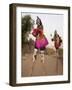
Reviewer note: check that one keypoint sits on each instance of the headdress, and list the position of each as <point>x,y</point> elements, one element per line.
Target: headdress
<point>39,23</point>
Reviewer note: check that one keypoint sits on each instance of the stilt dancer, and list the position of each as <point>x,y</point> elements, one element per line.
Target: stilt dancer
<point>57,43</point>
<point>40,42</point>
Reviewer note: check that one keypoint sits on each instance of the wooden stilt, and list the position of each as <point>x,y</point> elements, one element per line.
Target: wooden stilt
<point>33,67</point>
<point>57,61</point>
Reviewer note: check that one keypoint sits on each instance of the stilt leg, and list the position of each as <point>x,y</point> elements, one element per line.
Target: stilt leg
<point>42,56</point>
<point>57,60</point>
<point>34,55</point>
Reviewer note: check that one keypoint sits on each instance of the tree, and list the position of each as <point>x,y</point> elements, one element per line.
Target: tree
<point>27,24</point>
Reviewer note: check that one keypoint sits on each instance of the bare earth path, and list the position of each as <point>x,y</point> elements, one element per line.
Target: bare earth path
<point>51,66</point>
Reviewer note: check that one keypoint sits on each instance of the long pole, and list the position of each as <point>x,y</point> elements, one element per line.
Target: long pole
<point>57,61</point>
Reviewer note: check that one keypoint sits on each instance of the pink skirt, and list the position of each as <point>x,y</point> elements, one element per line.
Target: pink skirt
<point>41,43</point>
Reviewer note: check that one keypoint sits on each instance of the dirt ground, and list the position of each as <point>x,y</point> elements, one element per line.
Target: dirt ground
<point>52,65</point>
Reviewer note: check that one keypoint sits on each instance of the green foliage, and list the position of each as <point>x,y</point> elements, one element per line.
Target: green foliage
<point>27,24</point>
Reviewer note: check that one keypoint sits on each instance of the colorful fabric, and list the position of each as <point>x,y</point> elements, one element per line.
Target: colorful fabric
<point>36,32</point>
<point>41,41</point>
<point>57,41</point>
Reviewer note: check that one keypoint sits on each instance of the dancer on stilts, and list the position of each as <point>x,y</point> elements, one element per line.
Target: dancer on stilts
<point>41,41</point>
<point>57,43</point>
